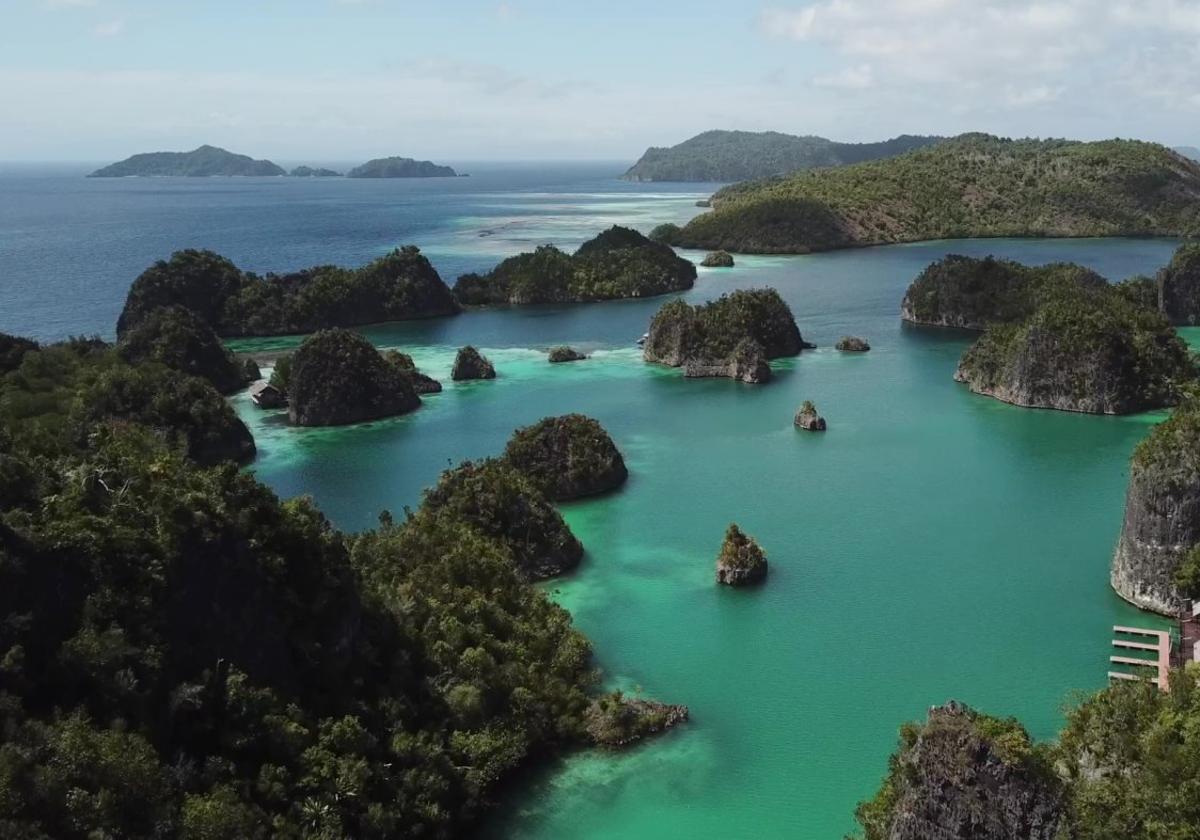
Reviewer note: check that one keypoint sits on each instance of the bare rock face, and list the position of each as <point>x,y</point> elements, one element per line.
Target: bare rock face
<point>742,561</point>
<point>471,364</point>
<point>747,363</point>
<point>1162,513</point>
<point>565,354</point>
<point>808,419</point>
<point>965,776</point>
<point>852,344</point>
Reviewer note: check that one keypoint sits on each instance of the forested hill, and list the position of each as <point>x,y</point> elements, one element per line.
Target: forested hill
<point>974,185</point>
<point>204,161</point>
<point>730,156</point>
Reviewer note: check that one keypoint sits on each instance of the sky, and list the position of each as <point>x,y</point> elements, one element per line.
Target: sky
<point>345,80</point>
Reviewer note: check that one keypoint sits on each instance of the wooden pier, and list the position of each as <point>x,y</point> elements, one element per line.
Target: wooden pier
<point>1160,662</point>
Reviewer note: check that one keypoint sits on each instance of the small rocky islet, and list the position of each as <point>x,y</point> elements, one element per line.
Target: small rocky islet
<point>558,355</point>
<point>808,419</point>
<point>470,364</point>
<point>337,377</point>
<point>741,561</point>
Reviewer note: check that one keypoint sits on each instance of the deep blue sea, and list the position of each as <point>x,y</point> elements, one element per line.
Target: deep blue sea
<point>70,246</point>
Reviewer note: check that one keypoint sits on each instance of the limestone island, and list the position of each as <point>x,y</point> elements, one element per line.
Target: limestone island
<point>337,377</point>
<point>1157,562</point>
<point>618,263</point>
<point>469,363</point>
<point>501,503</point>
<point>400,167</point>
<point>421,383</point>
<point>567,457</point>
<point>616,721</point>
<point>557,355</point>
<point>181,340</point>
<point>314,172</point>
<point>742,562</point>
<point>971,186</point>
<point>808,419</point>
<point>963,775</point>
<point>852,344</point>
<point>398,287</point>
<point>202,162</point>
<point>717,259</point>
<point>733,336</point>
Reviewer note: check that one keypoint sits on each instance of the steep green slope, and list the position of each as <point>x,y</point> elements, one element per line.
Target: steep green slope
<point>742,155</point>
<point>972,186</point>
<point>201,162</point>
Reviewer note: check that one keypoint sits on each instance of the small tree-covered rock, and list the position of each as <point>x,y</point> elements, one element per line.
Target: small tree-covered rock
<point>742,560</point>
<point>852,344</point>
<point>338,377</point>
<point>567,457</point>
<point>565,354</point>
<point>421,383</point>
<point>615,721</point>
<point>471,364</point>
<point>717,259</point>
<point>808,419</point>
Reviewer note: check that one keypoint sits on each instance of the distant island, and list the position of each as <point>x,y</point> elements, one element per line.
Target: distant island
<point>314,172</point>
<point>400,167</point>
<point>202,162</point>
<point>729,156</point>
<point>1189,152</point>
<point>975,185</point>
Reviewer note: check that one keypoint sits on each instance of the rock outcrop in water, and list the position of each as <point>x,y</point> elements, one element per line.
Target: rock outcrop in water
<point>338,377</point>
<point>1162,513</point>
<point>733,336</point>
<point>1179,287</point>
<point>421,383</point>
<point>618,263</point>
<point>616,721</point>
<point>970,293</point>
<point>503,504</point>
<point>471,364</point>
<point>717,259</point>
<point>808,419</point>
<point>965,776</point>
<point>742,562</point>
<point>1089,350</point>
<point>852,344</point>
<point>567,457</point>
<point>565,354</point>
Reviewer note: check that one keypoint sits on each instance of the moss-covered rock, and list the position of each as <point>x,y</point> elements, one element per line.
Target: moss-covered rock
<point>615,721</point>
<point>852,344</point>
<point>1091,351</point>
<point>338,377</point>
<point>618,263</point>
<point>567,457</point>
<point>181,340</point>
<point>1179,287</point>
<point>565,354</point>
<point>742,561</point>
<point>965,776</point>
<point>731,336</point>
<point>717,259</point>
<point>404,363</point>
<point>469,363</point>
<point>495,498</point>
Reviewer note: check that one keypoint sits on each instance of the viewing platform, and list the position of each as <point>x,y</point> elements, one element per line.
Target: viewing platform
<point>1156,642</point>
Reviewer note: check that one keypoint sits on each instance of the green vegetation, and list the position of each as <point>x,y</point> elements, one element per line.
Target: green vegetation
<point>57,397</point>
<point>338,377</point>
<point>567,457</point>
<point>200,162</point>
<point>1179,286</point>
<point>493,497</point>
<point>728,156</point>
<point>972,186</point>
<point>713,331</point>
<point>400,286</point>
<point>614,720</point>
<point>311,172</point>
<point>619,263</point>
<point>400,167</point>
<point>181,340</point>
<point>742,560</point>
<point>1087,349</point>
<point>717,259</point>
<point>971,293</point>
<point>1187,577</point>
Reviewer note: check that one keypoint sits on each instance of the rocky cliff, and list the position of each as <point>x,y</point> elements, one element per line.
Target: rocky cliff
<point>1162,513</point>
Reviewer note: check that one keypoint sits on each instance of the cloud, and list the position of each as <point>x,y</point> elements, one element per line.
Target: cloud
<point>851,78</point>
<point>109,29</point>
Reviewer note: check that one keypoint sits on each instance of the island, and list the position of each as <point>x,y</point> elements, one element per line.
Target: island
<point>397,287</point>
<point>733,336</point>
<point>962,774</point>
<point>201,162</point>
<point>1178,287</point>
<point>496,499</point>
<point>975,185</point>
<point>179,339</point>
<point>404,363</point>
<point>615,721</point>
<point>567,457</point>
<point>727,156</point>
<point>469,364</point>
<point>1155,562</point>
<point>400,167</point>
<point>314,172</point>
<point>715,259</point>
<point>337,377</point>
<point>808,419</point>
<point>618,263</point>
<point>1089,350</point>
<point>558,355</point>
<point>742,562</point>
<point>852,344</point>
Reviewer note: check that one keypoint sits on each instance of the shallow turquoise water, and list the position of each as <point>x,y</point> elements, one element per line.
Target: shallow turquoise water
<point>932,544</point>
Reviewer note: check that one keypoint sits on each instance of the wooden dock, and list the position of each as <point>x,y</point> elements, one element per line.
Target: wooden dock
<point>1160,662</point>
